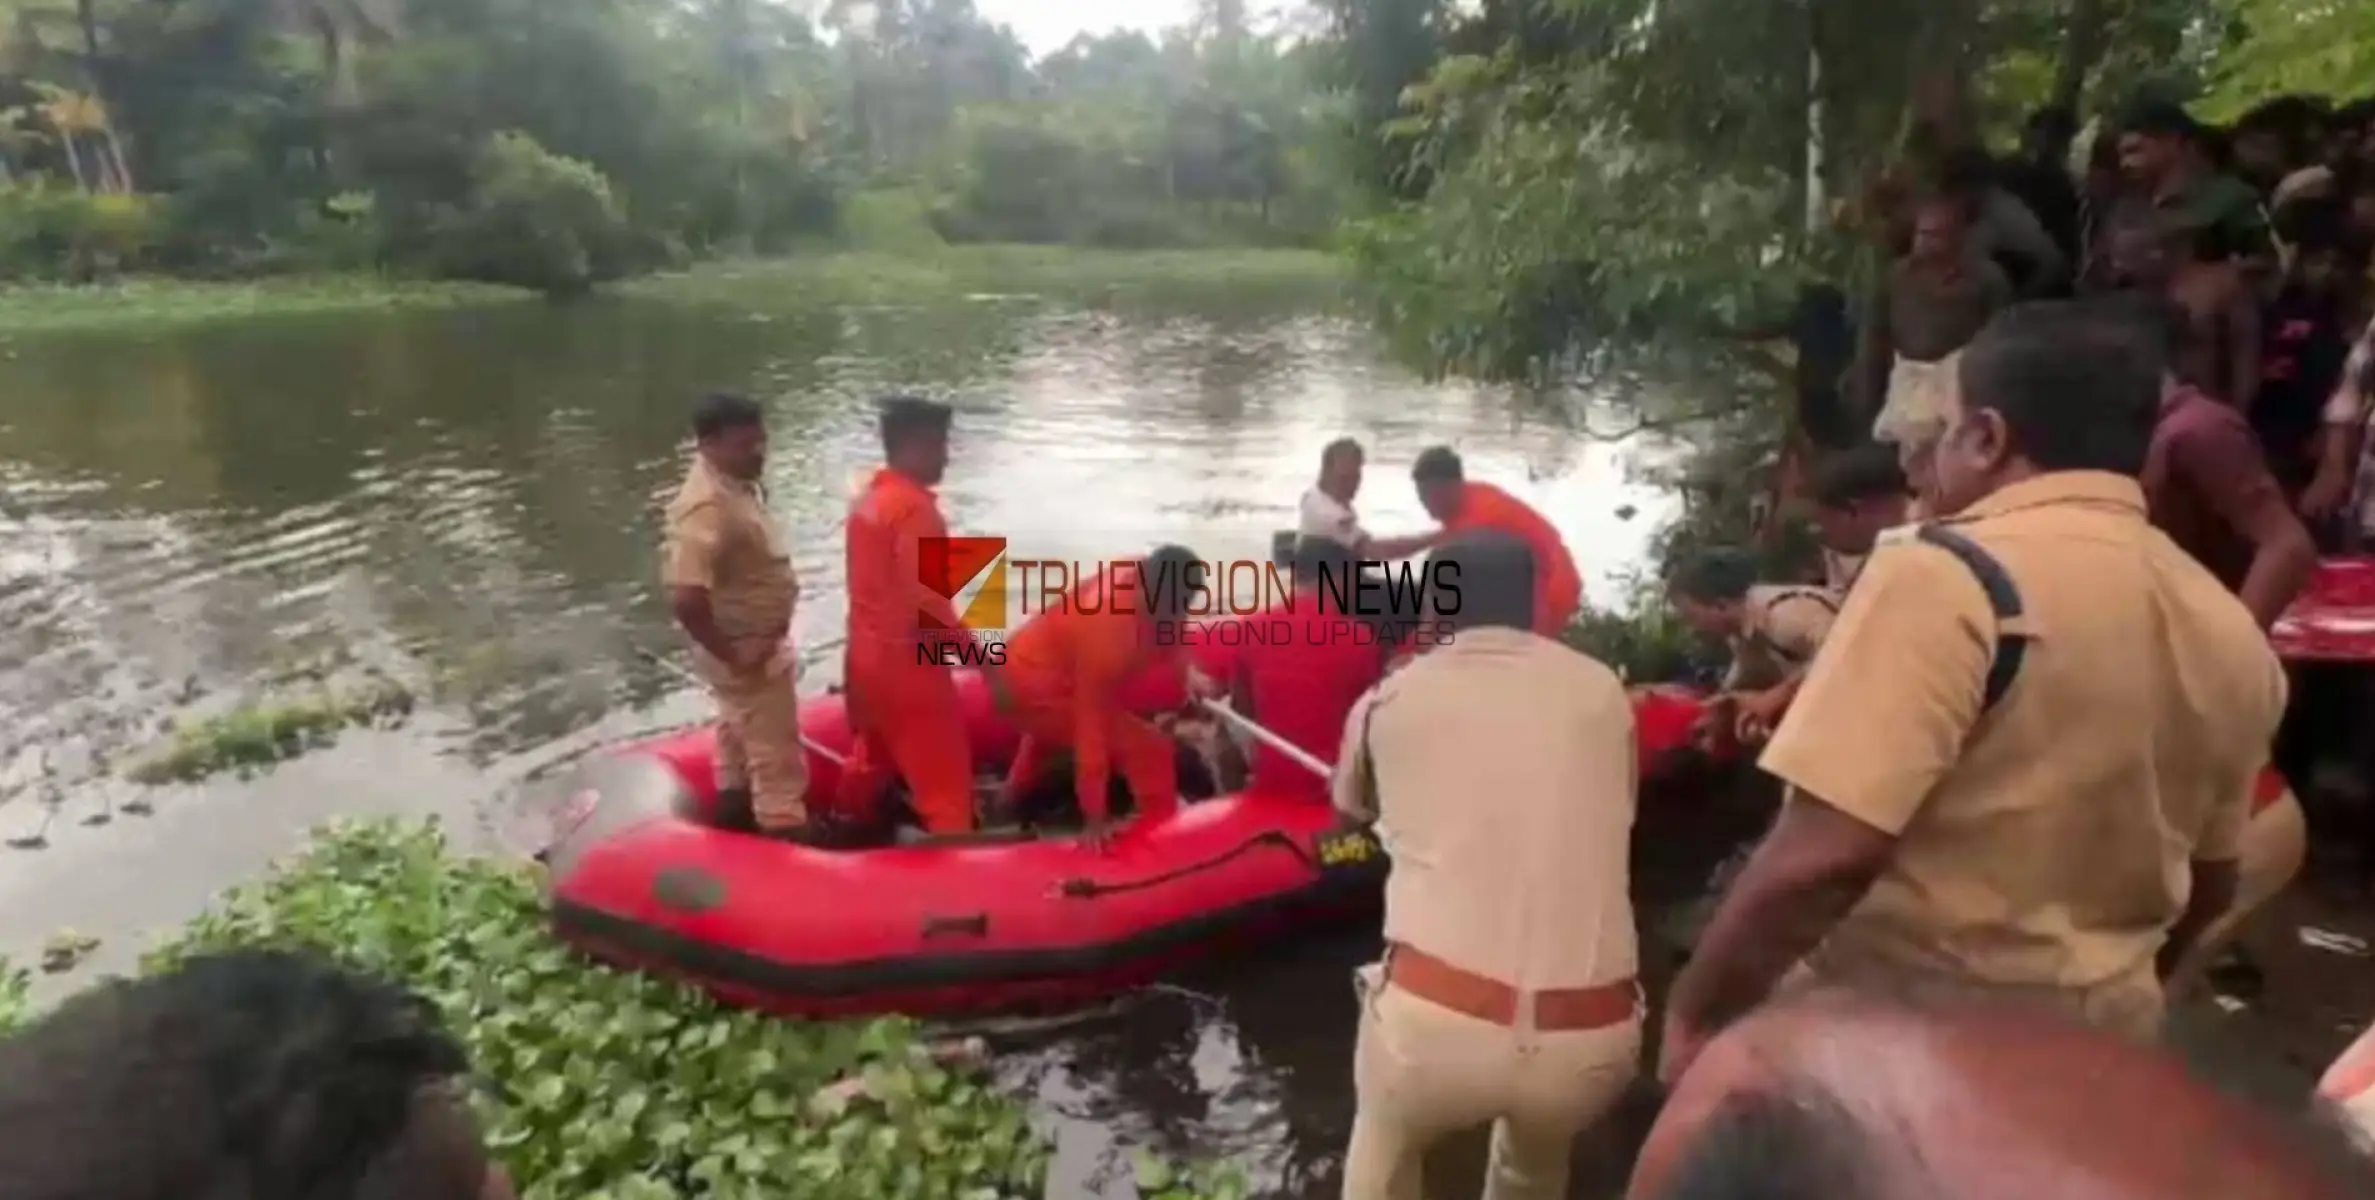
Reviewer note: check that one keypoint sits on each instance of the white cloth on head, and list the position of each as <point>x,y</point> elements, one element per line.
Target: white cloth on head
<point>1915,414</point>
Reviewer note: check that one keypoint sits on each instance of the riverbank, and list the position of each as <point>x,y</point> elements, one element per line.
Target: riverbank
<point>147,303</point>
<point>601,1069</point>
<point>857,277</point>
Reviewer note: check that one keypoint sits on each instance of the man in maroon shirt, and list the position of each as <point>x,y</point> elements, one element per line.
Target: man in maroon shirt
<point>2210,489</point>
<point>1299,667</point>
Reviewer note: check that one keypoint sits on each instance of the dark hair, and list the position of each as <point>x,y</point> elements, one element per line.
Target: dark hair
<point>1870,471</point>
<point>2073,385</point>
<point>1437,464</point>
<point>904,417</point>
<point>1716,576</point>
<point>252,1073</point>
<point>718,412</point>
<point>1784,1141</point>
<point>2353,118</point>
<point>2054,121</point>
<point>1494,572</point>
<point>1339,449</point>
<point>1171,573</point>
<point>2294,121</point>
<point>2160,118</point>
<point>2313,223</point>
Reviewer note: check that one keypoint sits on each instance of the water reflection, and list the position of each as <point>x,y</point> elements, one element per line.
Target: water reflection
<point>469,499</point>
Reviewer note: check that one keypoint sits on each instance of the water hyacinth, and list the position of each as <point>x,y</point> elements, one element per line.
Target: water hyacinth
<point>616,1084</point>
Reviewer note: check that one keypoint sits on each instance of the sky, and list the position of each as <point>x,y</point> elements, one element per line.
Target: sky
<point>1045,25</point>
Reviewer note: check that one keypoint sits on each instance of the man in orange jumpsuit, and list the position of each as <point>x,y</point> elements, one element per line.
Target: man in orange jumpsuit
<point>902,701</point>
<point>1462,506</point>
<point>1066,667</point>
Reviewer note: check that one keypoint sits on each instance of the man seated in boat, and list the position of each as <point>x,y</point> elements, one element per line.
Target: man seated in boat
<point>1773,631</point>
<point>1327,512</point>
<point>1301,666</point>
<point>1066,670</point>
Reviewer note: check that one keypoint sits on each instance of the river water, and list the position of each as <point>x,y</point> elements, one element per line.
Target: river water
<point>467,500</point>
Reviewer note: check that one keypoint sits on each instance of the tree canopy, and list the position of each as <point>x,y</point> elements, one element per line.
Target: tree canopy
<point>556,143</point>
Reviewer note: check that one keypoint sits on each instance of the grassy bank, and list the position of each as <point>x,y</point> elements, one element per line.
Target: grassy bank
<point>621,1085</point>
<point>137,305</point>
<point>846,276</point>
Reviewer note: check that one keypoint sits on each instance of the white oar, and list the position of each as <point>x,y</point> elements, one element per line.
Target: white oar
<point>691,680</point>
<point>1303,758</point>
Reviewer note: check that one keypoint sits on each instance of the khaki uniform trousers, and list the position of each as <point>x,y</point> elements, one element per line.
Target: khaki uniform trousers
<point>758,745</point>
<point>1422,1073</point>
<point>2275,845</point>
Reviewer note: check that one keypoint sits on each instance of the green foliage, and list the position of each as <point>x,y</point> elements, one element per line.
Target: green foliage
<point>621,1084</point>
<point>256,736</point>
<point>16,996</point>
<point>533,219</point>
<point>55,233</point>
<point>2281,47</point>
<point>149,304</point>
<point>1643,644</point>
<point>556,145</point>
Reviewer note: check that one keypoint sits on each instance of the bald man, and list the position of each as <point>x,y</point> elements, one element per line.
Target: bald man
<point>1850,1097</point>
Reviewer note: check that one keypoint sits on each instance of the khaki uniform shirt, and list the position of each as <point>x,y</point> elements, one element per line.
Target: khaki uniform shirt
<point>2046,842</point>
<point>720,538</point>
<point>1786,626</point>
<point>1503,778</point>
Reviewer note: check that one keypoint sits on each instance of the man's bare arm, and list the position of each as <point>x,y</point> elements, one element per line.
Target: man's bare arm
<point>1396,548</point>
<point>1810,871</point>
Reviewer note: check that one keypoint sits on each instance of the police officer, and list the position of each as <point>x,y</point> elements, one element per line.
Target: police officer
<point>2029,726</point>
<point>731,587</point>
<point>1499,767</point>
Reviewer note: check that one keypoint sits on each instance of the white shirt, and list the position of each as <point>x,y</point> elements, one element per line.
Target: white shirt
<point>1324,516</point>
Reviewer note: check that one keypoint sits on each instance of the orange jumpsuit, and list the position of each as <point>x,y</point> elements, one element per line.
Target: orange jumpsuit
<point>1558,587</point>
<point>902,707</point>
<point>1065,670</point>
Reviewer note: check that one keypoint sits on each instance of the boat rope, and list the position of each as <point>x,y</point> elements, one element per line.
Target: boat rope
<point>1090,889</point>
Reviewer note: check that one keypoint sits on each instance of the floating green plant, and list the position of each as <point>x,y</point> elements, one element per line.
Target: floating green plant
<point>256,736</point>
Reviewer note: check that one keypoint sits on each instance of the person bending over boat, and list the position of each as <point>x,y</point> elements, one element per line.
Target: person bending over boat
<point>2023,759</point>
<point>1302,676</point>
<point>903,704</point>
<point>1327,509</point>
<point>1773,631</point>
<point>1919,1096</point>
<point>1499,768</point>
<point>1857,494</point>
<point>1465,507</point>
<point>1065,672</point>
<point>731,587</point>
<point>248,1075</point>
<point>2209,487</point>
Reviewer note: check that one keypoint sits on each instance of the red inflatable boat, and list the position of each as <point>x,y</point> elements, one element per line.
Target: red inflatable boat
<point>2334,620</point>
<point>638,878</point>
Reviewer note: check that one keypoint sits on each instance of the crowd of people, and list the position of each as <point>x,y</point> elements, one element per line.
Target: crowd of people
<point>2021,725</point>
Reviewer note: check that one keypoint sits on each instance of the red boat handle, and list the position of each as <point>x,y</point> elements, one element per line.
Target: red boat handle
<point>977,925</point>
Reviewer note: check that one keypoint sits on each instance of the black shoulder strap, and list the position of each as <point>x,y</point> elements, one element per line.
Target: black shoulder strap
<point>2012,642</point>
